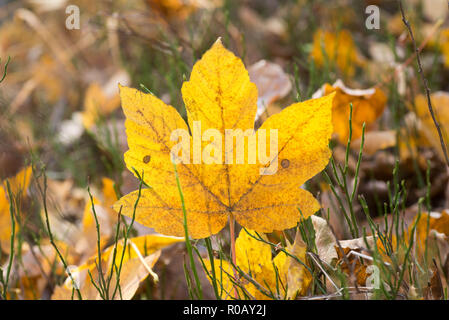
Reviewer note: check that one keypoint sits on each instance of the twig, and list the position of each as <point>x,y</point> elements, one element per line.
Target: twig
<point>424,81</point>
<point>323,271</point>
<point>43,193</point>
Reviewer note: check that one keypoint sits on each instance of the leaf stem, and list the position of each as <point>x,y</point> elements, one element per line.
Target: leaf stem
<point>233,256</point>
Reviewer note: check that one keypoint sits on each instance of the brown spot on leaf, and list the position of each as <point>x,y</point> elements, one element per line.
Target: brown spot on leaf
<point>146,159</point>
<point>285,163</point>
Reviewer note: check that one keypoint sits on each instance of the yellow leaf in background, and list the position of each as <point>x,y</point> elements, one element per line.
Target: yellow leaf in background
<point>133,272</point>
<point>431,237</point>
<point>335,49</point>
<point>251,254</point>
<point>44,73</point>
<point>65,204</point>
<point>367,106</point>
<point>428,223</point>
<point>173,8</point>
<point>5,220</point>
<point>103,206</point>
<point>28,278</point>
<point>444,46</point>
<point>106,216</point>
<point>88,241</point>
<point>293,273</point>
<point>20,182</point>
<point>440,104</point>
<point>137,259</point>
<point>146,245</point>
<point>18,185</point>
<point>97,104</point>
<point>254,258</point>
<point>181,9</point>
<point>108,190</point>
<point>221,96</point>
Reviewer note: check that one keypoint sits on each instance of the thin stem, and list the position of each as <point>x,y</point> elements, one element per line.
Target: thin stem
<point>425,82</point>
<point>187,238</point>
<point>233,256</point>
<point>5,70</point>
<point>12,208</point>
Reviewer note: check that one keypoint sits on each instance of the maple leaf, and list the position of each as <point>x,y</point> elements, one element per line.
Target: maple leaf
<point>220,96</point>
<point>254,258</point>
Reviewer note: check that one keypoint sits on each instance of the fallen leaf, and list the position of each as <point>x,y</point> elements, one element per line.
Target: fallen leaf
<point>443,45</point>
<point>327,245</point>
<point>351,264</point>
<point>291,271</point>
<point>367,106</point>
<point>271,81</point>
<point>30,276</point>
<point>431,229</point>
<point>375,141</point>
<point>18,186</point>
<point>324,240</point>
<point>180,9</point>
<point>219,96</point>
<point>136,260</point>
<point>98,104</point>
<point>434,289</point>
<point>440,104</point>
<point>254,258</point>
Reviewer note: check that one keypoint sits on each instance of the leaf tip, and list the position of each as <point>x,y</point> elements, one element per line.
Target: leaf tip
<point>218,42</point>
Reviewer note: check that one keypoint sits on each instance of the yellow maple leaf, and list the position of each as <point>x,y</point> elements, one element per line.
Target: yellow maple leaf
<point>335,49</point>
<point>218,97</point>
<point>254,258</point>
<point>367,106</point>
